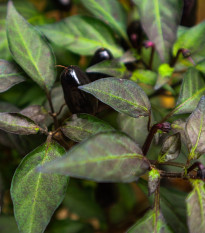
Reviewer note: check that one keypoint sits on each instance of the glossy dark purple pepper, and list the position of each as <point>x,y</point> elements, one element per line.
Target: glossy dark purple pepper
<point>77,101</point>
<point>101,54</point>
<point>189,13</point>
<point>63,5</point>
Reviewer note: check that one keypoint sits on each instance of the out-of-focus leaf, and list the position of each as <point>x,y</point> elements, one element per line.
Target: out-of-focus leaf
<point>195,131</point>
<point>81,126</point>
<point>164,74</point>
<point>18,124</point>
<point>30,50</point>
<point>160,20</point>
<point>124,96</point>
<point>36,113</point>
<point>82,35</point>
<point>192,39</point>
<point>136,128</point>
<point>201,66</point>
<point>196,207</point>
<point>7,107</point>
<point>154,180</point>
<point>193,87</point>
<point>110,67</point>
<point>10,75</point>
<point>35,195</point>
<point>111,12</point>
<point>70,226</point>
<point>150,222</point>
<point>105,157</point>
<point>8,224</point>
<point>82,202</point>
<point>144,76</point>
<point>170,148</point>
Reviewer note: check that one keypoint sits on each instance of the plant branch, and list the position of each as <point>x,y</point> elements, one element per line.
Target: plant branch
<point>53,114</point>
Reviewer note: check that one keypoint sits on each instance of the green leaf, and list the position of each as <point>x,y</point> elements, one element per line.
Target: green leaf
<point>144,76</point>
<point>153,181</point>
<point>170,149</point>
<point>136,128</point>
<point>201,66</point>
<point>35,195</point>
<point>164,74</point>
<point>18,124</point>
<point>110,67</point>
<point>123,95</point>
<point>82,35</point>
<point>111,12</point>
<point>192,39</point>
<point>193,87</point>
<point>195,131</point>
<point>81,126</point>
<point>160,20</point>
<point>196,207</point>
<point>105,157</point>
<point>10,75</point>
<point>150,222</point>
<point>30,50</point>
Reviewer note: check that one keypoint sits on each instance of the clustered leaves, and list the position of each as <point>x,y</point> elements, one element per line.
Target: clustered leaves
<point>128,136</point>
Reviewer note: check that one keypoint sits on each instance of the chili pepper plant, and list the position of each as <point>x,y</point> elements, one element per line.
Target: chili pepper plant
<point>110,103</point>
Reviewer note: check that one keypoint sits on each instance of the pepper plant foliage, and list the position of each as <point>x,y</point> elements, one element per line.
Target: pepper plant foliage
<point>127,137</point>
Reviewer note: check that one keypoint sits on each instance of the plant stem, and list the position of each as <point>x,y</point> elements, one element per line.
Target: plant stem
<point>151,57</point>
<point>149,139</point>
<point>52,110</point>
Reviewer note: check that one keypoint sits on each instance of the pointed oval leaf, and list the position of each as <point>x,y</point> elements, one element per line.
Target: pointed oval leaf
<point>29,49</point>
<point>153,181</point>
<point>201,66</point>
<point>165,72</point>
<point>124,96</point>
<point>111,12</point>
<point>36,113</point>
<point>82,35</point>
<point>193,87</point>
<point>192,39</point>
<point>18,124</point>
<point>196,207</point>
<point>81,126</point>
<point>160,20</point>
<point>105,157</point>
<point>36,195</point>
<point>136,128</point>
<point>144,76</point>
<point>150,223</point>
<point>195,131</point>
<point>10,75</point>
<point>170,149</point>
<point>110,67</point>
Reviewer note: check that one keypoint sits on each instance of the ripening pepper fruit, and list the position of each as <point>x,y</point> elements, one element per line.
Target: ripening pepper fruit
<point>63,5</point>
<point>77,101</point>
<point>135,33</point>
<point>101,54</point>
